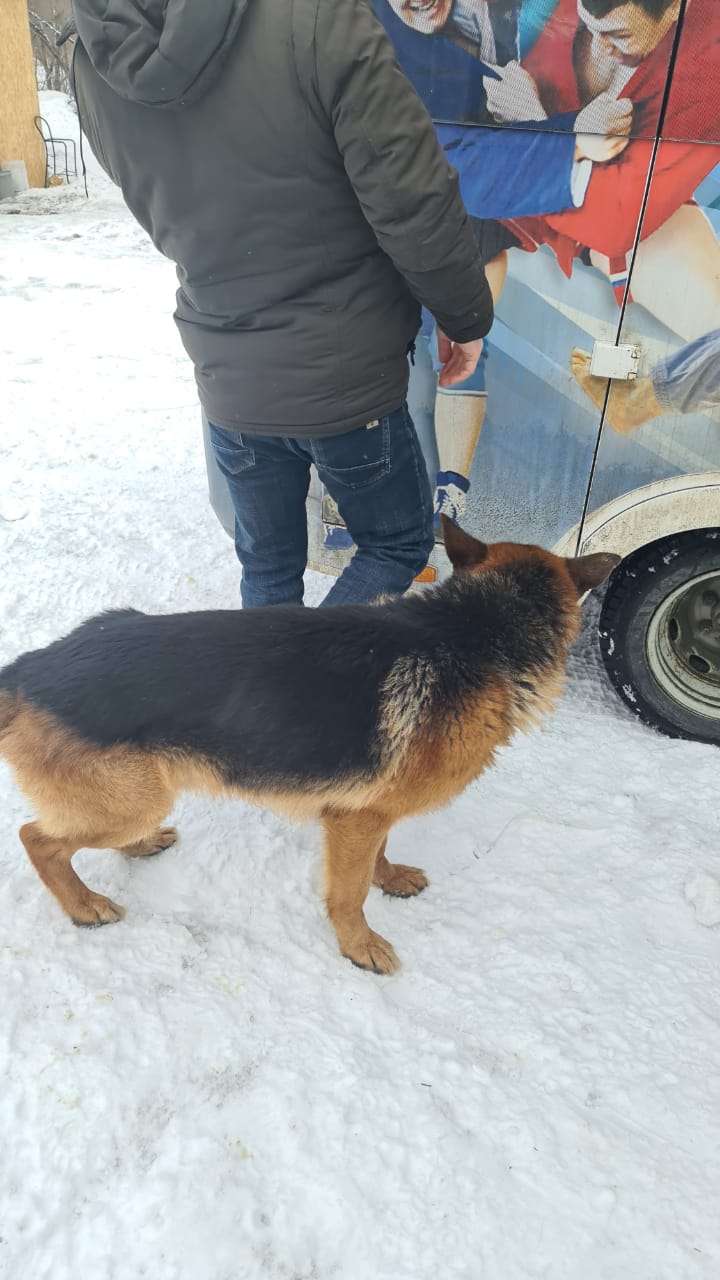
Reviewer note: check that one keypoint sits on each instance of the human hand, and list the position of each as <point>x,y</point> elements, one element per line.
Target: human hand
<point>514,96</point>
<point>606,115</point>
<point>458,359</point>
<point>593,146</point>
<point>603,128</point>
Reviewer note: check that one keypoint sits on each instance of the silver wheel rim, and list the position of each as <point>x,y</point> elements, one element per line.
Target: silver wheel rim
<point>683,645</point>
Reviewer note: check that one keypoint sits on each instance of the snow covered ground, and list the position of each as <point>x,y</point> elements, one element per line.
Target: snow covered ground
<point>207,1091</point>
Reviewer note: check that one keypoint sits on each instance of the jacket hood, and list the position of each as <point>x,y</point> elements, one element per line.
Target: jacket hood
<point>162,53</point>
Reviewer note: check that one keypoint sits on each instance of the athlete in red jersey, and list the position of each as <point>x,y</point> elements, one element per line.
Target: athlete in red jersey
<point>594,47</point>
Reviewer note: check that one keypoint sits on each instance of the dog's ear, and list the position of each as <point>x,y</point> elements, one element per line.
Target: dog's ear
<point>589,571</point>
<point>463,551</point>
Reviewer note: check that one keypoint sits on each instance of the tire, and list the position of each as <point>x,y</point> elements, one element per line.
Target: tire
<point>659,634</point>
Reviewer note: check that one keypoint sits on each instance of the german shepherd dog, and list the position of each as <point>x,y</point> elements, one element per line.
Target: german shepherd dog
<point>357,716</point>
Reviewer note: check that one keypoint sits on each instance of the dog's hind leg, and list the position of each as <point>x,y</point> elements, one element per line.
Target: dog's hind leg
<point>397,880</point>
<point>89,800</point>
<point>51,858</point>
<point>352,841</point>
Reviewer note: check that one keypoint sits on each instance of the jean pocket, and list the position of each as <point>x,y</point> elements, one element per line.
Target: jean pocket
<point>356,459</point>
<point>231,453</point>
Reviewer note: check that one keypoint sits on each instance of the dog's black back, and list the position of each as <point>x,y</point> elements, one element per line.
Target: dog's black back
<point>285,691</point>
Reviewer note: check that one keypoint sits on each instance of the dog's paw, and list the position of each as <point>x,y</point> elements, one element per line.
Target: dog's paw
<point>373,953</point>
<point>95,910</point>
<point>403,882</point>
<point>161,839</point>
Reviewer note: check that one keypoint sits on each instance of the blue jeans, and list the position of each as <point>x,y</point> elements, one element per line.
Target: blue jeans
<point>378,478</point>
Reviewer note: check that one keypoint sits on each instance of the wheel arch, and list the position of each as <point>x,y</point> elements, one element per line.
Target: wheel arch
<point>645,514</point>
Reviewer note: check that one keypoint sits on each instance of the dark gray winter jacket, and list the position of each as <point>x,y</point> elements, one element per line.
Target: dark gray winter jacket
<point>275,152</point>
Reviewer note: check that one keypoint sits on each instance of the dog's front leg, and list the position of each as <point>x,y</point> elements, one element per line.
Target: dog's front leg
<point>352,842</point>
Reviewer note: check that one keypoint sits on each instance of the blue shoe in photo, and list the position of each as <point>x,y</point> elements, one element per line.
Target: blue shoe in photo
<point>450,498</point>
<point>337,538</point>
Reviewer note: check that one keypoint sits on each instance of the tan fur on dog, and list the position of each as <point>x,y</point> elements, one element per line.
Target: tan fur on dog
<point>117,797</point>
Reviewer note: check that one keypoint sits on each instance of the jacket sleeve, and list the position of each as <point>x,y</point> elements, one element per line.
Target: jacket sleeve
<point>406,188</point>
<point>512,173</point>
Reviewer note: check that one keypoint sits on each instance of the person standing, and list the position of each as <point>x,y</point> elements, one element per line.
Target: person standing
<point>277,154</point>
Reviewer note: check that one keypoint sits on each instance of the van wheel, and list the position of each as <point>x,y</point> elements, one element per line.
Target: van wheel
<point>660,634</point>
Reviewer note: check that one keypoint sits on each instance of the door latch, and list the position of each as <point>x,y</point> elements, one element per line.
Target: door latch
<point>620,362</point>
